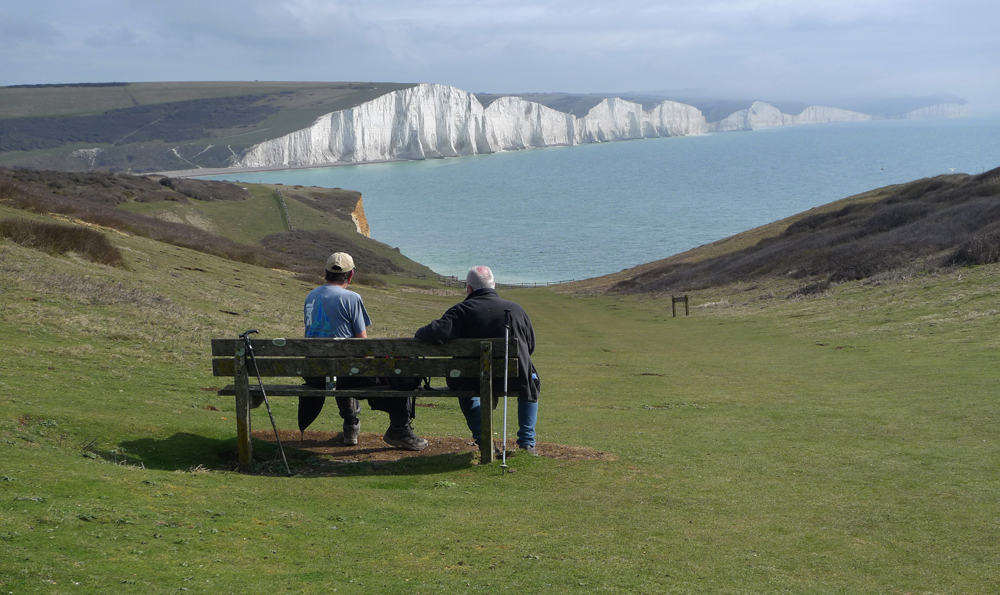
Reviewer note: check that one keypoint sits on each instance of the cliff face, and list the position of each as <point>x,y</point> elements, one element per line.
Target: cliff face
<point>421,122</point>
<point>359,219</point>
<point>433,121</point>
<point>944,110</point>
<point>764,115</point>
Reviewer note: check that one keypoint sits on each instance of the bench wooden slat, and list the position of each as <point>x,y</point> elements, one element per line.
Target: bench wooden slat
<point>298,390</point>
<point>300,347</point>
<point>368,367</point>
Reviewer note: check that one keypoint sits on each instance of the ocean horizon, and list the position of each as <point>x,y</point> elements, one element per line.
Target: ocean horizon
<point>565,213</point>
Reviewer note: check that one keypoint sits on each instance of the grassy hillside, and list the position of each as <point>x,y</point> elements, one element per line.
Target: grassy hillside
<point>843,442</point>
<point>241,222</point>
<point>898,230</point>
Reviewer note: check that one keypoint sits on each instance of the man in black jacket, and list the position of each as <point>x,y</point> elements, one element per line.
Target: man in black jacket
<point>481,316</point>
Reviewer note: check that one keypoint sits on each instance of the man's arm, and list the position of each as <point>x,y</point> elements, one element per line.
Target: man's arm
<point>442,330</point>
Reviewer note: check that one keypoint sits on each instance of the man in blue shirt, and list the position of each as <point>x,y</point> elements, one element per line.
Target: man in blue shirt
<point>332,310</point>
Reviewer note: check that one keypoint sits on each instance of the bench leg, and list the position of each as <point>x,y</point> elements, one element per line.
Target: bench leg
<point>242,390</point>
<point>486,403</point>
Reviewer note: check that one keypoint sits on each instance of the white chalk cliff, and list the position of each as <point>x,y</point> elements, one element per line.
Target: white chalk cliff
<point>942,110</point>
<point>764,115</point>
<point>433,121</point>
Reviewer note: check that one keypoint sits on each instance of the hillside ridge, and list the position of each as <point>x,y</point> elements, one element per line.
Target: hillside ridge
<point>242,222</point>
<point>927,224</point>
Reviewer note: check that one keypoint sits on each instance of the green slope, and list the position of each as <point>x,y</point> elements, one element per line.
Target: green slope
<point>842,443</point>
<point>210,214</point>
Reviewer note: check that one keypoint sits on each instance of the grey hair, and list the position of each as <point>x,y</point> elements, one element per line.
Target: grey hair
<point>480,277</point>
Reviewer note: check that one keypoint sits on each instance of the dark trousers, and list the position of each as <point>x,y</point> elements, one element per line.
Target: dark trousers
<point>400,409</point>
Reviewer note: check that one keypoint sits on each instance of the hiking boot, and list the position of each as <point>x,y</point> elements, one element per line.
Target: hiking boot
<point>403,437</point>
<point>351,433</point>
<point>528,448</point>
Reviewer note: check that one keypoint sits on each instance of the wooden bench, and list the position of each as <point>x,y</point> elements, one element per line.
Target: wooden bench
<point>392,358</point>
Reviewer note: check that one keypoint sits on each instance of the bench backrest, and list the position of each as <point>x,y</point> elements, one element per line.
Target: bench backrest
<point>402,358</point>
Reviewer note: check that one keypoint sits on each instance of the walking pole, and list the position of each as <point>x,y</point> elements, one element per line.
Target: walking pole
<point>506,351</point>
<point>246,339</point>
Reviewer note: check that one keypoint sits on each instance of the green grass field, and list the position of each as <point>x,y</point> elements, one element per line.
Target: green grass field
<point>845,443</point>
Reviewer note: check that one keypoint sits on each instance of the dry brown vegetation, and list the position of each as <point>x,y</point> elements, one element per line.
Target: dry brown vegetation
<point>100,211</point>
<point>316,246</point>
<point>942,221</point>
<point>110,188</point>
<point>58,239</point>
<point>93,198</point>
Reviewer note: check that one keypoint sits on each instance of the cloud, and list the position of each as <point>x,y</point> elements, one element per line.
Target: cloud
<point>18,33</point>
<point>773,49</point>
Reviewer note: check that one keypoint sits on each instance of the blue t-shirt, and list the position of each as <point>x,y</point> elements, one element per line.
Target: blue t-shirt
<point>332,311</point>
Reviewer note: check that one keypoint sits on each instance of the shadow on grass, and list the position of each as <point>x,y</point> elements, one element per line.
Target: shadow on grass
<point>184,451</point>
<point>425,465</point>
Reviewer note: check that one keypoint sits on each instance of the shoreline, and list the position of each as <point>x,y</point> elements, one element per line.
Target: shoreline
<point>219,171</point>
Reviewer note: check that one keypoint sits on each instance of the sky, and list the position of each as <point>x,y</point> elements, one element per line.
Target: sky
<point>808,51</point>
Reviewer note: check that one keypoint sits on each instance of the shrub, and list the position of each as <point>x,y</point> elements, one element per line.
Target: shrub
<point>894,216</point>
<point>369,280</point>
<point>310,278</point>
<point>58,239</point>
<point>811,289</point>
<point>828,219</point>
<point>859,262</point>
<point>317,245</point>
<point>982,248</point>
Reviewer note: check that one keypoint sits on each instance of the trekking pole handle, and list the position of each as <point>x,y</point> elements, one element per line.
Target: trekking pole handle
<point>506,319</point>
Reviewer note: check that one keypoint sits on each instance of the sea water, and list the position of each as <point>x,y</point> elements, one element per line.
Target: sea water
<point>564,213</point>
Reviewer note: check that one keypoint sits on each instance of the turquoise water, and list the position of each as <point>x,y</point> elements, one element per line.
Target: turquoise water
<point>576,212</point>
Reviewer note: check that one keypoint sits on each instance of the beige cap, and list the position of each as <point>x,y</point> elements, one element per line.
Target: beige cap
<point>340,262</point>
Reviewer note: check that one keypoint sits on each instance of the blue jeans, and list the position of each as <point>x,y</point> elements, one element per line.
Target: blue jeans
<point>527,413</point>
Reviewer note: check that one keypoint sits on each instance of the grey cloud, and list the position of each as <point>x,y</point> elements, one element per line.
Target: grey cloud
<point>756,48</point>
<point>25,32</point>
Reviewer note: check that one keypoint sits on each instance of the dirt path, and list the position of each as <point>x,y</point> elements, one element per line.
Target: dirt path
<point>371,448</point>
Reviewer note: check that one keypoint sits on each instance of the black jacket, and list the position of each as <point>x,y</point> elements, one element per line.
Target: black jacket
<point>481,316</point>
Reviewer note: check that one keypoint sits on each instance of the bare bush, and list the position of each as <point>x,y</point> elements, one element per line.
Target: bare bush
<point>369,280</point>
<point>57,239</point>
<point>311,278</point>
<point>817,288</point>
<point>854,264</point>
<point>317,245</point>
<point>895,216</point>
<point>982,248</point>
